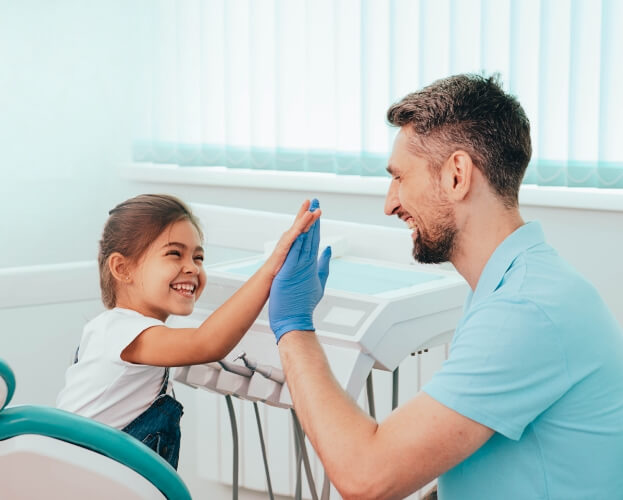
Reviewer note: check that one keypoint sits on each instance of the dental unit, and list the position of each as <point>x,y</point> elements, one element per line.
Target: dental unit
<point>377,309</point>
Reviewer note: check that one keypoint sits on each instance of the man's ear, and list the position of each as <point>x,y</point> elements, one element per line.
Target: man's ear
<point>456,175</point>
<point>119,267</point>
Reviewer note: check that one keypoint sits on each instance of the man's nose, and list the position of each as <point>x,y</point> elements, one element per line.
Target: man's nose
<point>392,203</point>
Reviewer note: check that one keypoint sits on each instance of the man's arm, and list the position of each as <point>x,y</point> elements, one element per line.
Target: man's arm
<point>416,443</point>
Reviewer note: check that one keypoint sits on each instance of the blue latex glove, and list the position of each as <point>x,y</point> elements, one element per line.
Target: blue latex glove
<point>299,285</point>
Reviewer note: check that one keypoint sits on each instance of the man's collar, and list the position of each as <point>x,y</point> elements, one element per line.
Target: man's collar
<point>523,238</point>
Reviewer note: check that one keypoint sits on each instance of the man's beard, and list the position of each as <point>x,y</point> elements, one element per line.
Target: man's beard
<point>436,245</point>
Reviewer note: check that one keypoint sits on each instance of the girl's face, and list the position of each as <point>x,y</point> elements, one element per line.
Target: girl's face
<point>169,277</point>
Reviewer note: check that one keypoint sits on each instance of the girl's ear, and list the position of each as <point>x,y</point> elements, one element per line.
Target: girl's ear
<point>119,267</point>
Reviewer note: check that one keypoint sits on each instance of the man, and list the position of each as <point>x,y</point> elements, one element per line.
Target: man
<point>529,404</point>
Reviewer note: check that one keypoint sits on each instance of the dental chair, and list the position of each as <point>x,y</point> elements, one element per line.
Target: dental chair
<point>49,453</point>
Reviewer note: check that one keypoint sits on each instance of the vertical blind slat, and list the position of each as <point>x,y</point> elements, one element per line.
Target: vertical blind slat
<point>553,114</point>
<point>524,75</point>
<point>610,169</point>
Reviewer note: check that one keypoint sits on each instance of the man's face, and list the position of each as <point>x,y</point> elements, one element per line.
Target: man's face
<point>415,195</point>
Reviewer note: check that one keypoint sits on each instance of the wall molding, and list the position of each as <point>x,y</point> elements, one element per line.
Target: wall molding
<point>49,284</point>
<point>271,180</point>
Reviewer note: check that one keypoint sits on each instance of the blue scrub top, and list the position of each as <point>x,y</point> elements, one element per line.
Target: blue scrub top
<point>538,358</point>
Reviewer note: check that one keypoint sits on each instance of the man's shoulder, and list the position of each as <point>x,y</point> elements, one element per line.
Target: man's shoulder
<point>542,298</point>
<point>511,313</point>
<point>541,277</point>
<point>540,263</point>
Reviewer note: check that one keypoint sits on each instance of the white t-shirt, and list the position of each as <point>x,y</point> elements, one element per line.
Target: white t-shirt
<point>101,385</point>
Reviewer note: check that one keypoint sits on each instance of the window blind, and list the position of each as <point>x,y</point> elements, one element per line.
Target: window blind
<point>304,85</point>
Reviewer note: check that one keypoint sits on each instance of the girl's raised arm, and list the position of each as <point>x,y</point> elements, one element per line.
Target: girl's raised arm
<point>223,329</point>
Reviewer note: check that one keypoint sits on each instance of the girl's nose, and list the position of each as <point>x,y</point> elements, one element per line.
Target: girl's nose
<point>191,267</point>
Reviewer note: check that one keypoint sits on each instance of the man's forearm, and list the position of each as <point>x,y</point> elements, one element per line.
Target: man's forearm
<point>337,428</point>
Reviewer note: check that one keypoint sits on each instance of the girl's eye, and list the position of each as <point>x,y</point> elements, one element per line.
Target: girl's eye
<point>174,252</point>
<point>199,257</point>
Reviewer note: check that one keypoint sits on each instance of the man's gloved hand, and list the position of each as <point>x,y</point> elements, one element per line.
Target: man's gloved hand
<point>299,285</point>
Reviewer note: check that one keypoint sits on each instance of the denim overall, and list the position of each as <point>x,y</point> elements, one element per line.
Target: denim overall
<point>159,425</point>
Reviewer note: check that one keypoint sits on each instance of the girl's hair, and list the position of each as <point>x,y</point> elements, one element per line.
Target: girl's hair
<point>131,227</point>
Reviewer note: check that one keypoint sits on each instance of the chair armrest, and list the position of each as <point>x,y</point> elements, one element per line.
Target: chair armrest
<point>95,436</point>
<point>8,379</point>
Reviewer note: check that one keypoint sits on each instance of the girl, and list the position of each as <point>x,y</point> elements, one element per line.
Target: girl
<point>151,266</point>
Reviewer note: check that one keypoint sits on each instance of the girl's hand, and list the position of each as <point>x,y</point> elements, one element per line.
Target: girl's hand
<point>307,215</point>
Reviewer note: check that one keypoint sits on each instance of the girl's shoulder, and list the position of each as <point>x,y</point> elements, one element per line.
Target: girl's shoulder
<point>114,329</point>
<point>118,314</point>
<point>119,320</point>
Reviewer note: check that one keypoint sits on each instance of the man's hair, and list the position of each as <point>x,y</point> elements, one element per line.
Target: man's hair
<point>472,113</point>
<point>131,227</point>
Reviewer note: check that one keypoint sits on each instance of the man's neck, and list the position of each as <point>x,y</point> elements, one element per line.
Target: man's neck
<point>478,238</point>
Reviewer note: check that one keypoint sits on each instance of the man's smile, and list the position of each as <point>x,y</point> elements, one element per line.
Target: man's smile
<point>410,222</point>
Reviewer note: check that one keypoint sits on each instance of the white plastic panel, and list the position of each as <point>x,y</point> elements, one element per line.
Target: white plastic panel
<point>35,467</point>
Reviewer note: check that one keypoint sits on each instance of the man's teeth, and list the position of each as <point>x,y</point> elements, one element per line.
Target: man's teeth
<point>411,224</point>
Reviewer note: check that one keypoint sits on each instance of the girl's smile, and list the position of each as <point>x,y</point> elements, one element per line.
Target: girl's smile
<point>186,289</point>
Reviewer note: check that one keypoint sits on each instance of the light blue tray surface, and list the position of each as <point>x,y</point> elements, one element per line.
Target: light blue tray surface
<point>359,277</point>
<point>215,254</point>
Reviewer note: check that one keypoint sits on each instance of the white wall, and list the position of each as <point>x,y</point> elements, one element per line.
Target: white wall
<point>70,86</point>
